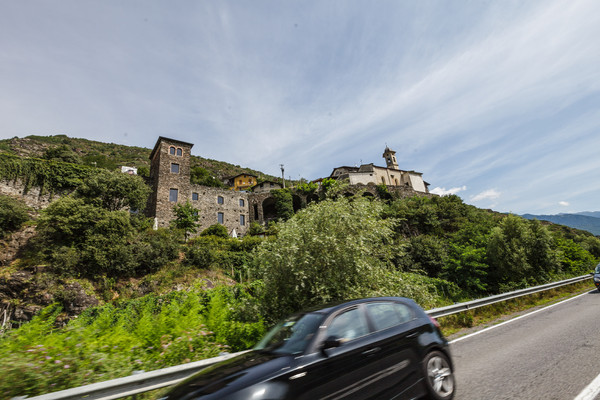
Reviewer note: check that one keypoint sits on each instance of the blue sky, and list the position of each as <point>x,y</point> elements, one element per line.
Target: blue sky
<point>496,101</point>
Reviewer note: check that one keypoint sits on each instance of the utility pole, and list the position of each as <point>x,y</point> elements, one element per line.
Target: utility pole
<point>282,174</point>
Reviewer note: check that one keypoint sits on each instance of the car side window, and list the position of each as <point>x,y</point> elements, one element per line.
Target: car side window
<point>385,315</point>
<point>349,325</point>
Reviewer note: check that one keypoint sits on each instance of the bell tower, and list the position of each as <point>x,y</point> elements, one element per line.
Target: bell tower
<point>390,158</point>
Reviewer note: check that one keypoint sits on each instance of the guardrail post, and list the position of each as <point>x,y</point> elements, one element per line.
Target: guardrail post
<point>137,372</point>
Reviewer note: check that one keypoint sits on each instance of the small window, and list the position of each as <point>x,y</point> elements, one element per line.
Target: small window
<point>220,217</point>
<point>386,315</point>
<point>195,196</point>
<point>173,195</point>
<point>348,326</point>
<point>174,168</point>
<point>242,203</point>
<point>179,152</point>
<point>172,150</point>
<point>242,220</point>
<point>220,200</point>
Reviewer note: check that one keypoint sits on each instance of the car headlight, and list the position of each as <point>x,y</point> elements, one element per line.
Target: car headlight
<point>597,279</point>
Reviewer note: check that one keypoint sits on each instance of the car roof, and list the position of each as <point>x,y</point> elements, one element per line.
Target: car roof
<point>333,306</point>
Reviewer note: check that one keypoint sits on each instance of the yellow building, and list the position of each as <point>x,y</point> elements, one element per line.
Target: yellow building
<point>243,182</point>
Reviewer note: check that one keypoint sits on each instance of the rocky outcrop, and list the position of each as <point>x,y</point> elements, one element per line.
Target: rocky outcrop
<point>24,293</point>
<point>9,248</point>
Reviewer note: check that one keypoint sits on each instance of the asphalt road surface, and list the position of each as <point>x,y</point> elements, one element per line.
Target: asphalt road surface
<point>552,354</point>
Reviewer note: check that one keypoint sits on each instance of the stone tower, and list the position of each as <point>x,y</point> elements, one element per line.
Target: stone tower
<point>390,158</point>
<point>170,178</point>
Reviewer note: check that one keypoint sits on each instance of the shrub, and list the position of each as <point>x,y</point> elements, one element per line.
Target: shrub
<point>217,230</point>
<point>13,214</point>
<point>199,256</point>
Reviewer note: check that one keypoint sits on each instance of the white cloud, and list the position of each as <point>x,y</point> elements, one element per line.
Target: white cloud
<point>442,191</point>
<point>563,203</point>
<point>489,194</point>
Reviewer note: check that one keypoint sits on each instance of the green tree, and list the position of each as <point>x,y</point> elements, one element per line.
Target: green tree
<point>427,254</point>
<point>186,218</point>
<point>307,188</point>
<point>114,191</point>
<point>467,268</point>
<point>13,214</point>
<point>284,203</point>
<point>507,254</point>
<point>329,251</point>
<point>81,239</point>
<point>201,176</point>
<point>573,258</point>
<point>540,253</point>
<point>62,153</point>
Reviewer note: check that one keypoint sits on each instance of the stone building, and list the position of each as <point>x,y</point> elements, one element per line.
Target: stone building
<point>266,187</point>
<point>170,182</point>
<point>390,175</point>
<point>170,162</point>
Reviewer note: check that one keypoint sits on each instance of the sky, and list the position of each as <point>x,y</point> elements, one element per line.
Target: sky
<point>497,102</point>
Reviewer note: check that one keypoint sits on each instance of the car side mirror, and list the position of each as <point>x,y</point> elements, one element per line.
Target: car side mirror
<point>330,343</point>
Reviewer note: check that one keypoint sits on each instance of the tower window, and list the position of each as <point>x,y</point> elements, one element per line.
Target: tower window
<point>173,195</point>
<point>220,217</point>
<point>172,150</point>
<point>242,220</point>
<point>195,196</point>
<point>220,200</point>
<point>242,203</point>
<point>179,152</point>
<point>174,168</point>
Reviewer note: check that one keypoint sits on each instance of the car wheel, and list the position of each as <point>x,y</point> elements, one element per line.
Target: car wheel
<point>439,377</point>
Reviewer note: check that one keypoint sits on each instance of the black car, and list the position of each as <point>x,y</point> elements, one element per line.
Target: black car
<point>376,348</point>
<point>596,274</point>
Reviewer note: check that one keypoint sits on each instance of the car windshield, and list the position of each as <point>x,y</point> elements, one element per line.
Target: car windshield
<point>292,335</point>
<point>597,269</point>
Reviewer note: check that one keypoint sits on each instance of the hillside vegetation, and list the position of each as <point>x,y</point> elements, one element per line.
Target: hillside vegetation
<point>110,156</point>
<point>158,300</point>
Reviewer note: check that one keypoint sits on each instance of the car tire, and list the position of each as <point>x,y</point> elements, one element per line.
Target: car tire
<point>439,377</point>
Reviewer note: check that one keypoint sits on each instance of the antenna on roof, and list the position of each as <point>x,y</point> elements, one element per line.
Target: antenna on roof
<point>282,174</point>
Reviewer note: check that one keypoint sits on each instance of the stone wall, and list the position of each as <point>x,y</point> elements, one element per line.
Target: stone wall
<point>32,197</point>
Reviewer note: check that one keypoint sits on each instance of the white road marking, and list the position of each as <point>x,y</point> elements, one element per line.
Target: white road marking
<point>591,391</point>
<point>514,319</point>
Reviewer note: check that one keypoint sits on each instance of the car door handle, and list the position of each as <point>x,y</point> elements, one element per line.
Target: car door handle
<point>371,351</point>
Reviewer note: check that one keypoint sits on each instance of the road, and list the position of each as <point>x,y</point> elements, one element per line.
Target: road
<point>552,354</point>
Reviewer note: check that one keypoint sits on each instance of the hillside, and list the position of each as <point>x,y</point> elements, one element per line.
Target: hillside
<point>91,292</point>
<point>111,156</point>
<point>587,221</point>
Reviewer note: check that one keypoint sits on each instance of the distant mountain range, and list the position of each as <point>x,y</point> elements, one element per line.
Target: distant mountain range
<point>587,221</point>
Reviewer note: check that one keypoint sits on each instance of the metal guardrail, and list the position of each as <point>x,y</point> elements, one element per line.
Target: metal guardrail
<point>147,381</point>
<point>469,305</point>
